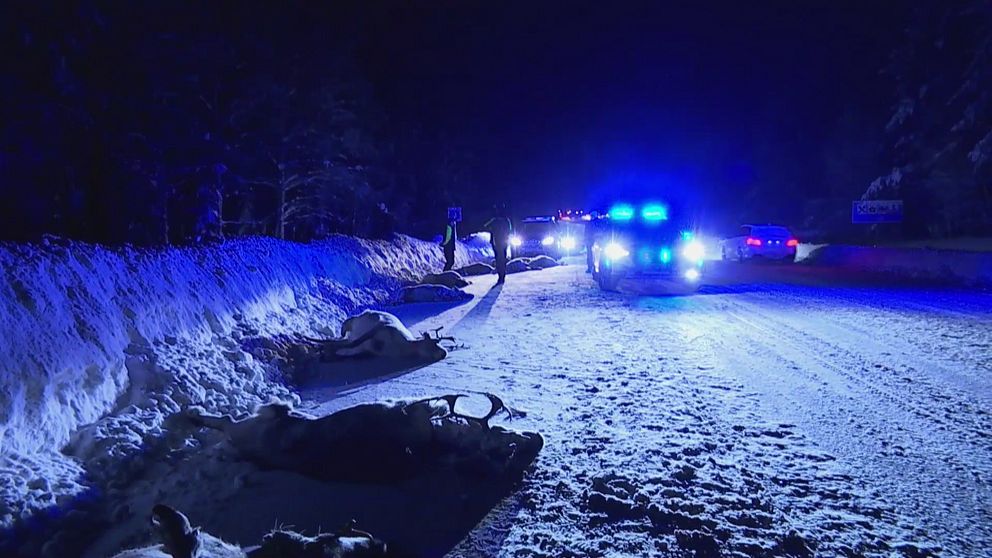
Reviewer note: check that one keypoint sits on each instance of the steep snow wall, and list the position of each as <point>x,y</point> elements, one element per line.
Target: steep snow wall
<point>968,268</point>
<point>98,345</point>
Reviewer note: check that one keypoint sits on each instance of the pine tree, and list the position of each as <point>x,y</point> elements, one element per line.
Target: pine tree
<point>941,125</point>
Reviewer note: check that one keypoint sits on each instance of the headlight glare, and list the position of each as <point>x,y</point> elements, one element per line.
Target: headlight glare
<point>694,250</point>
<point>615,251</point>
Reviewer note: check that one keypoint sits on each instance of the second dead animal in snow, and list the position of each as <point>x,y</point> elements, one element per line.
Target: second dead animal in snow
<point>450,279</point>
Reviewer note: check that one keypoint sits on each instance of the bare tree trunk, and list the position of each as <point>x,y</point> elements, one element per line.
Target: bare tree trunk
<point>281,206</point>
<point>281,222</point>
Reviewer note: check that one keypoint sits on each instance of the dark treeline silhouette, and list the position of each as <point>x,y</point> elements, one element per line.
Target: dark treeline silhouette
<point>939,134</point>
<point>176,122</point>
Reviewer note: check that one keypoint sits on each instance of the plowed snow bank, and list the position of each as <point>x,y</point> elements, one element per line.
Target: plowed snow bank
<point>969,268</point>
<point>98,345</point>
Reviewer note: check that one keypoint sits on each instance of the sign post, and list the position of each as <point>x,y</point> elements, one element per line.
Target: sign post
<point>876,211</point>
<point>455,214</point>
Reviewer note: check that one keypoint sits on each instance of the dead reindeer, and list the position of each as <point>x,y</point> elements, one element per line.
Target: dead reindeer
<point>373,442</point>
<point>451,279</point>
<point>433,293</point>
<point>477,269</point>
<point>181,540</point>
<point>380,334</point>
<point>347,542</point>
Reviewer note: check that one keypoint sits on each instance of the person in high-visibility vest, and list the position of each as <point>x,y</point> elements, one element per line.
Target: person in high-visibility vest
<point>450,236</point>
<point>500,228</point>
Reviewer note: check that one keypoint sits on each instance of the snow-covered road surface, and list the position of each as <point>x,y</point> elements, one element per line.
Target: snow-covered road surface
<point>776,415</point>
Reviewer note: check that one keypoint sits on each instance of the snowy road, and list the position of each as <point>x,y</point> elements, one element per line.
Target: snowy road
<point>770,416</point>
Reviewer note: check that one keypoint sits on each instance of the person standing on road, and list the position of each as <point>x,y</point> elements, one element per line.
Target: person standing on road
<point>450,237</point>
<point>500,228</point>
<point>589,238</point>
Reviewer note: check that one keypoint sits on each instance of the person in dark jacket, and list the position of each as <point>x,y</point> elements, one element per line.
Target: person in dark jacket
<point>500,228</point>
<point>450,237</point>
<point>589,239</point>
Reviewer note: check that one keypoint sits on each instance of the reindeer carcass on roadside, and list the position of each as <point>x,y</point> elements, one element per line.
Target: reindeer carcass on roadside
<point>380,334</point>
<point>451,279</point>
<point>181,540</point>
<point>378,442</point>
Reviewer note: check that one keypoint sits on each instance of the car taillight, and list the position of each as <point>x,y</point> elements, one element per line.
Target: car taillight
<point>792,242</point>
<point>753,241</point>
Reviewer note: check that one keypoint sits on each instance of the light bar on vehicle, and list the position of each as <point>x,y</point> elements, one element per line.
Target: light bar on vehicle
<point>622,212</point>
<point>654,212</point>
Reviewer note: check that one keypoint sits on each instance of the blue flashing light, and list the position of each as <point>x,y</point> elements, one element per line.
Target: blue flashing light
<point>654,212</point>
<point>622,212</point>
<point>665,255</point>
<point>688,235</point>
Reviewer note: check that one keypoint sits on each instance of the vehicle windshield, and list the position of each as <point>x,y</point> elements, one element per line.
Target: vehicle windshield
<point>770,232</point>
<point>666,230</point>
<point>536,230</point>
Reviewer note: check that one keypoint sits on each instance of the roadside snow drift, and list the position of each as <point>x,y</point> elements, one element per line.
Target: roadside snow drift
<point>968,268</point>
<point>99,345</point>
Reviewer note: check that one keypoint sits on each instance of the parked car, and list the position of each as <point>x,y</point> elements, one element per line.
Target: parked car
<point>542,235</point>
<point>772,242</point>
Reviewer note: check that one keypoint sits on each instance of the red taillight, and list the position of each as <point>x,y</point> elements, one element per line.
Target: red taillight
<point>792,242</point>
<point>751,241</point>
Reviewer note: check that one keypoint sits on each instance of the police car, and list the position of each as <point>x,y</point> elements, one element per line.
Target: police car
<point>646,242</point>
<point>542,235</point>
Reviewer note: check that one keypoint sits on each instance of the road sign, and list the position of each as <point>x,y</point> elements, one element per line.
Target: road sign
<point>455,214</point>
<point>876,211</point>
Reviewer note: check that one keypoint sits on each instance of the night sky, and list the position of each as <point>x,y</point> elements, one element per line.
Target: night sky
<point>571,103</point>
<point>158,124</point>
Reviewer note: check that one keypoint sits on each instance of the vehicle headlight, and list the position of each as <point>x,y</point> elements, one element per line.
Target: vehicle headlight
<point>615,251</point>
<point>547,241</point>
<point>694,250</point>
<point>568,243</point>
<point>515,240</point>
<point>692,274</point>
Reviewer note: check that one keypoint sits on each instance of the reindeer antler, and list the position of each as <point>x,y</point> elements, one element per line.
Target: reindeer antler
<point>450,399</point>
<point>437,335</point>
<point>496,405</point>
<point>350,529</point>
